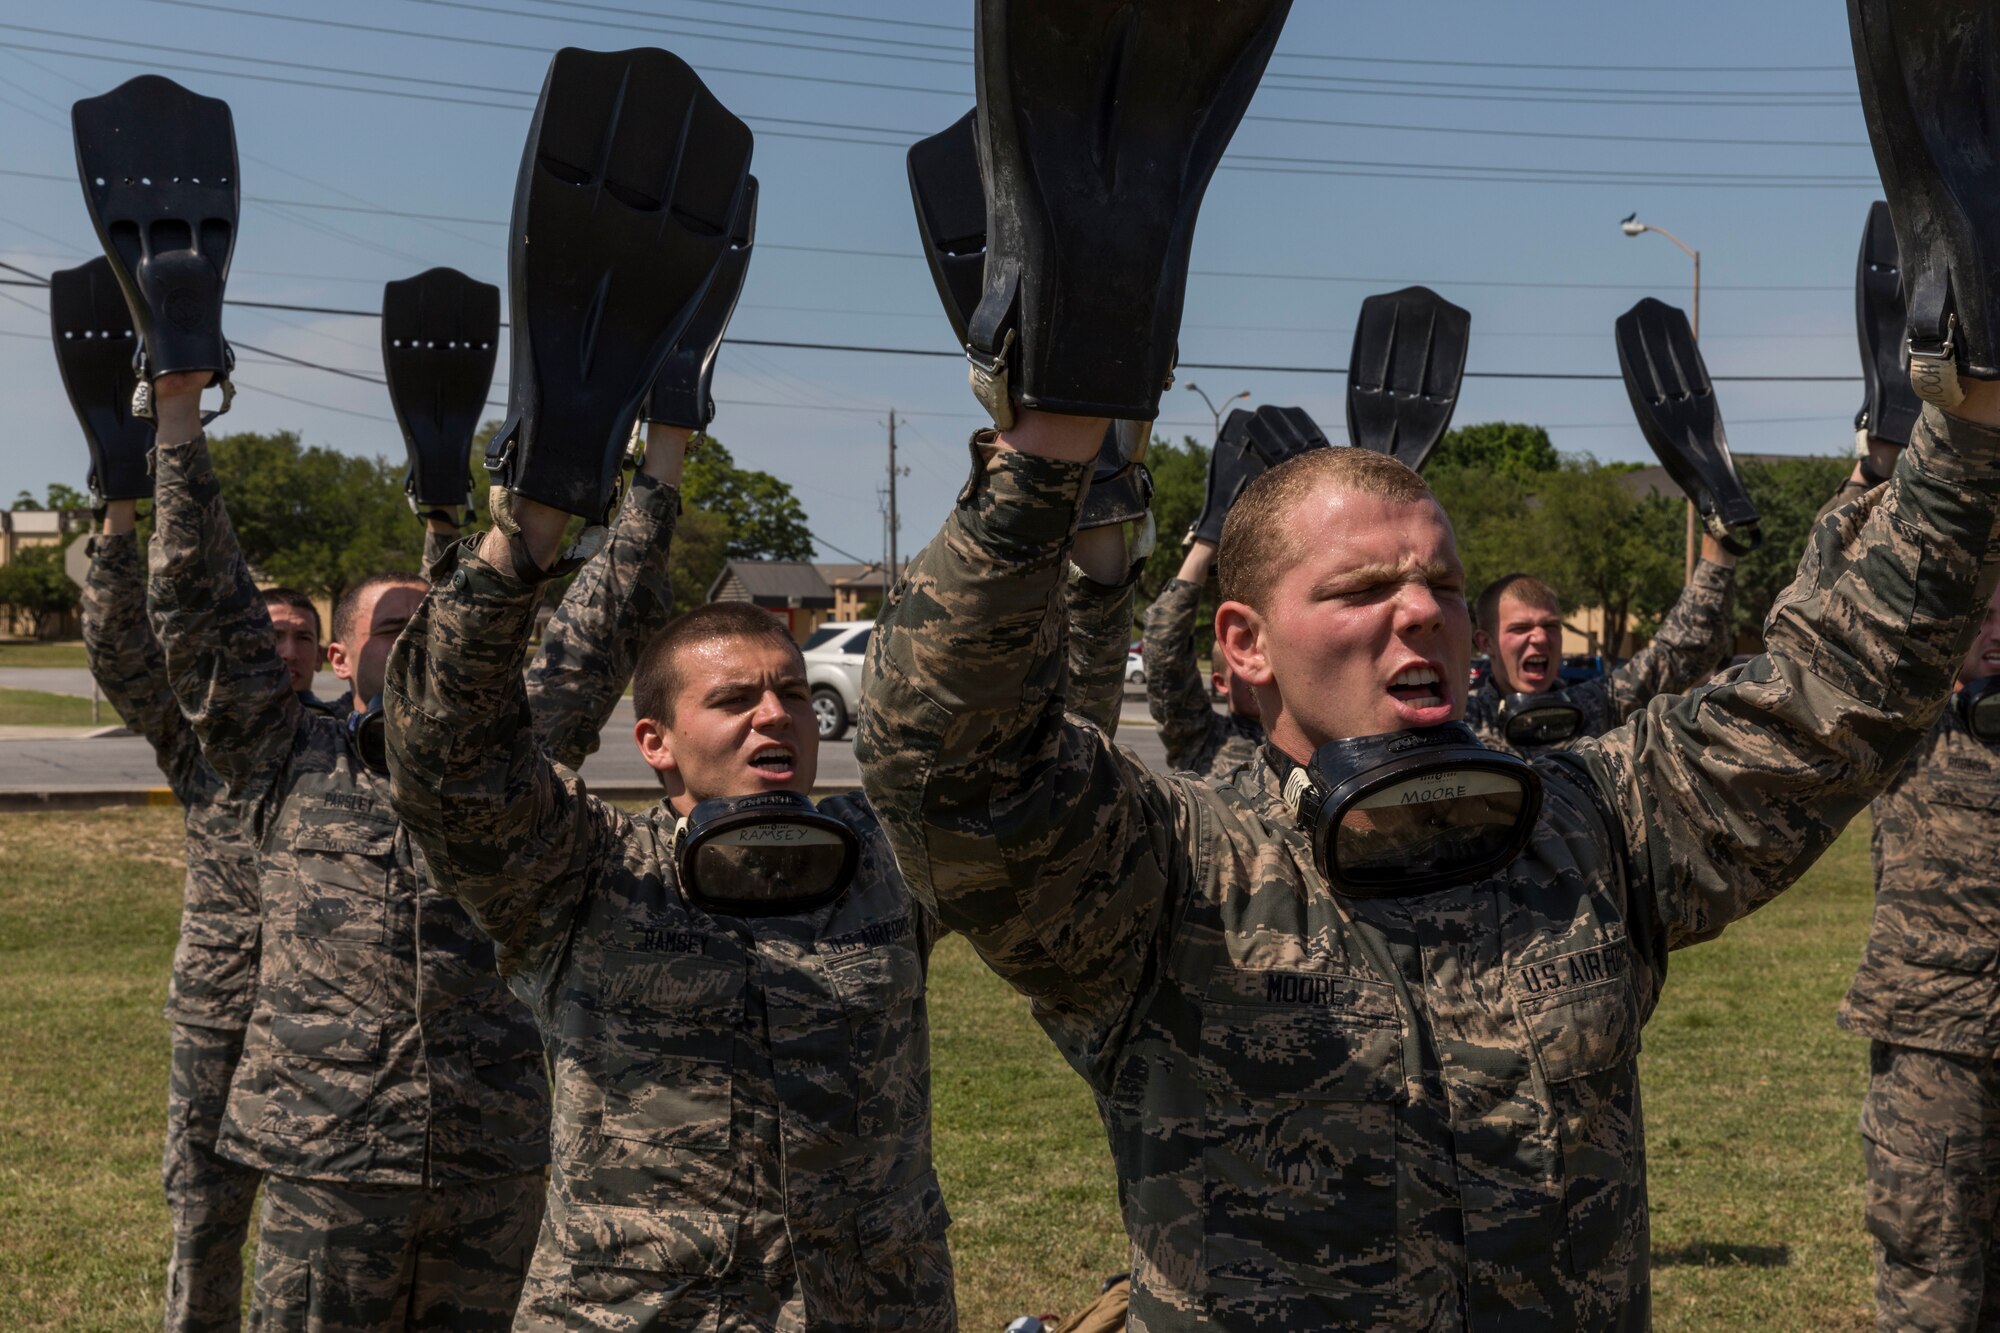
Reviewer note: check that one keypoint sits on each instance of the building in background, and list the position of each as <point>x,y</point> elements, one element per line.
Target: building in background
<point>792,590</point>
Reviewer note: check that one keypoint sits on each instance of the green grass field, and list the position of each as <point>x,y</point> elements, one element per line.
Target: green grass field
<point>34,708</point>
<point>33,653</point>
<point>1751,1102</point>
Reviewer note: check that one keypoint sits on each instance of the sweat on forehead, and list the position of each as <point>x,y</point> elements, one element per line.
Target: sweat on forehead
<point>1259,540</point>
<point>657,683</point>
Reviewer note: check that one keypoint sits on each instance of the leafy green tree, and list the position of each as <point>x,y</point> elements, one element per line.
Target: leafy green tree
<point>1180,481</point>
<point>34,585</point>
<point>766,521</point>
<point>60,497</point>
<point>1787,493</point>
<point>1493,518</point>
<point>313,517</point>
<point>1504,448</point>
<point>701,548</point>
<point>1611,548</point>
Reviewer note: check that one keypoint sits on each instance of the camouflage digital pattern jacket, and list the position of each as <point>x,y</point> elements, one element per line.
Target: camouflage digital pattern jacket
<point>742,1117</point>
<point>384,1048</point>
<point>1692,643</point>
<point>214,978</point>
<point>1930,972</point>
<point>1419,1113</point>
<point>1198,739</point>
<point>1100,637</point>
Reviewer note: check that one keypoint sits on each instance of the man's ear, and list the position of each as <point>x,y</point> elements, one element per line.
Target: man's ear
<point>1239,641</point>
<point>656,747</point>
<point>1482,642</point>
<point>338,659</point>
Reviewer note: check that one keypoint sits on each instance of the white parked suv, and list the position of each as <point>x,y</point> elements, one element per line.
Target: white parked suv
<point>834,653</point>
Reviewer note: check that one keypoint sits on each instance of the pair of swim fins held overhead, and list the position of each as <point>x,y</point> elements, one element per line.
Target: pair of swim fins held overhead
<point>631,166</point>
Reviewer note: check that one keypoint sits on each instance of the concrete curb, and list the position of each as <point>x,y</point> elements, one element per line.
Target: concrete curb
<point>21,800</point>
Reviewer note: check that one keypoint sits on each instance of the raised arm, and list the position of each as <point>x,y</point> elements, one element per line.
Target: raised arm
<point>125,659</point>
<point>1033,835</point>
<point>1691,644</point>
<point>500,830</point>
<point>619,600</point>
<point>1100,640</point>
<point>1730,793</point>
<point>1176,695</point>
<point>221,653</point>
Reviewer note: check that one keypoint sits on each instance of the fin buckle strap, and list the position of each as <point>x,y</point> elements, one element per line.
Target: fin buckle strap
<point>1934,366</point>
<point>501,502</point>
<point>142,392</point>
<point>990,381</point>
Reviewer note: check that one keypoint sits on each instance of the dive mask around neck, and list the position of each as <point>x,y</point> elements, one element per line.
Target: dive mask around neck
<point>1412,812</point>
<point>1542,719</point>
<point>368,732</point>
<point>1978,706</point>
<point>773,854</point>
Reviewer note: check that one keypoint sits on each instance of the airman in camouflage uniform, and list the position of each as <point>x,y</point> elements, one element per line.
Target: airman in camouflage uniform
<point>1692,642</point>
<point>742,1113</point>
<point>1418,1112</point>
<point>214,980</point>
<point>1197,738</point>
<point>213,985</point>
<point>1927,994</point>
<point>391,1090</point>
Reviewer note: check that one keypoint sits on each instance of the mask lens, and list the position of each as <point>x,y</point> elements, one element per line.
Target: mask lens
<point>1983,718</point>
<point>371,740</point>
<point>1428,824</point>
<point>770,865</point>
<point>1547,724</point>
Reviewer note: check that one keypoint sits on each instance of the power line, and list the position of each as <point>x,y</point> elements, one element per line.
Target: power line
<point>1376,126</point>
<point>948,354</point>
<point>1281,55</point>
<point>1422,90</point>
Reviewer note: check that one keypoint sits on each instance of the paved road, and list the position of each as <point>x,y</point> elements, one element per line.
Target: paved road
<point>76,681</point>
<point>127,761</point>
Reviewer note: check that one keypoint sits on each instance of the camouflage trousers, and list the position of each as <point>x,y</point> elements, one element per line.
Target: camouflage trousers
<point>209,1197</point>
<point>382,1258</point>
<point>1930,1138</point>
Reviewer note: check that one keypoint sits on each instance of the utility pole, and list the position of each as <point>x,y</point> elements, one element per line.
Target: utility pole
<point>889,574</point>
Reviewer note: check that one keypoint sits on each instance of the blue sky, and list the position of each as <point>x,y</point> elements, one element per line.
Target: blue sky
<point>1486,150</point>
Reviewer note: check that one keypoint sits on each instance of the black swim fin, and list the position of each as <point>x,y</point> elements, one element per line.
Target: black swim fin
<point>631,179</point>
<point>1891,408</point>
<point>158,165</point>
<point>1249,445</point>
<point>1928,70</point>
<point>681,393</point>
<point>1405,371</point>
<point>1100,124</point>
<point>1675,403</point>
<point>440,335</point>
<point>95,343</point>
<point>1231,466</point>
<point>1121,489</point>
<point>950,197</point>
<point>1279,434</point>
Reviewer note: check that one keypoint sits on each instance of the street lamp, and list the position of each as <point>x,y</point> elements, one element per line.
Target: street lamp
<point>1631,226</point>
<point>1213,410</point>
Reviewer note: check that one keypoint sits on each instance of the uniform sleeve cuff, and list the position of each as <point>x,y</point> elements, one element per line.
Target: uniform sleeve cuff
<point>1020,507</point>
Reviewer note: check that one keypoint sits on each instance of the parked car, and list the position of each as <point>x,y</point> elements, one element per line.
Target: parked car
<point>834,653</point>
<point>1579,667</point>
<point>1135,666</point>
